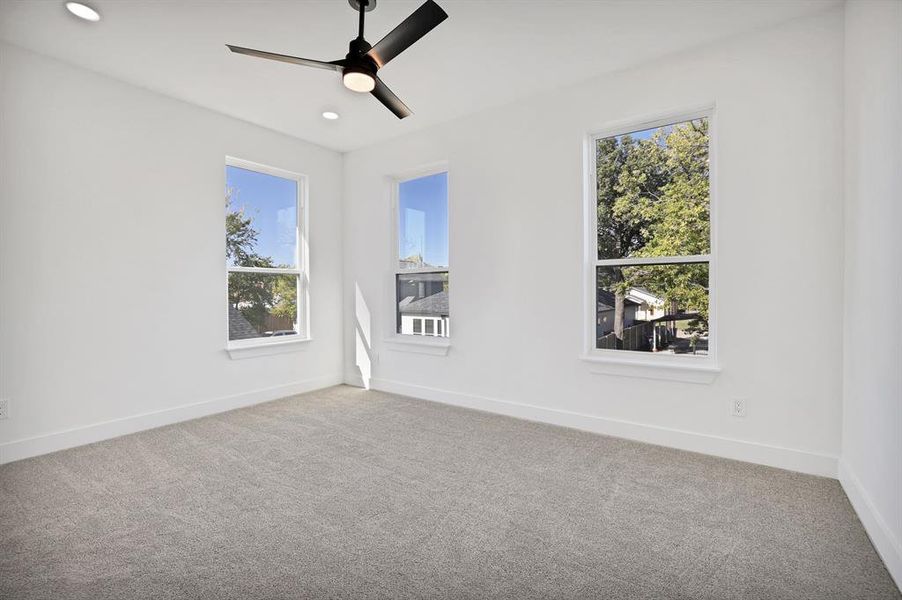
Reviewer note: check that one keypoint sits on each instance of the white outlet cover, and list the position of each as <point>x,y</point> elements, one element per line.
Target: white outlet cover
<point>4,408</point>
<point>738,407</point>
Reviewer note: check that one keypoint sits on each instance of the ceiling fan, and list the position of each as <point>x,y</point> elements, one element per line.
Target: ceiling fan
<point>359,67</point>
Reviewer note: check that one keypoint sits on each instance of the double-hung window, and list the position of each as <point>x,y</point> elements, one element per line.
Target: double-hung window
<point>266,254</point>
<point>421,255</point>
<point>649,210</point>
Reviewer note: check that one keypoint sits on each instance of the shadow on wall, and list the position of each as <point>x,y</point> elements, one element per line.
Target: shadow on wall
<point>364,337</point>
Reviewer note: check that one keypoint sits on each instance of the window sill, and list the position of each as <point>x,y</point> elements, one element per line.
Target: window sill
<point>252,349</point>
<point>704,373</point>
<point>418,344</point>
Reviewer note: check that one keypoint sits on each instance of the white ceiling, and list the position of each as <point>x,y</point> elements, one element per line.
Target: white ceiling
<point>486,54</point>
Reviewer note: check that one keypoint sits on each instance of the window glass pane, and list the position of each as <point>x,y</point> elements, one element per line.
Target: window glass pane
<point>662,308</point>
<point>261,219</point>
<point>653,192</point>
<point>423,222</point>
<point>418,325</point>
<point>421,296</point>
<point>262,305</point>
<point>430,327</point>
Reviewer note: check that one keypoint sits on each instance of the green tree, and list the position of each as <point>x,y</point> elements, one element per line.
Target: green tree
<point>255,295</point>
<point>285,297</point>
<point>653,200</point>
<point>241,237</point>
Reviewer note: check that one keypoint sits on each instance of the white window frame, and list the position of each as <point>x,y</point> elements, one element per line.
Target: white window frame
<point>420,343</point>
<point>272,345</point>
<point>648,364</point>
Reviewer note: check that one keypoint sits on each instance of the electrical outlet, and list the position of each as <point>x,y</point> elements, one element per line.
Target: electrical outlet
<point>737,407</point>
<point>4,408</point>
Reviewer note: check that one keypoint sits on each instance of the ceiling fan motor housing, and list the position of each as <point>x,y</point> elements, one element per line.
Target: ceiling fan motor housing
<point>357,53</point>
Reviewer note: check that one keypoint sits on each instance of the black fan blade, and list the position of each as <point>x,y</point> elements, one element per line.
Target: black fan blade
<point>402,37</point>
<point>388,98</point>
<point>331,66</point>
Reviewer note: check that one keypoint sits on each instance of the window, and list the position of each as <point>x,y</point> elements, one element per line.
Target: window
<point>421,255</point>
<point>265,259</point>
<point>650,261</point>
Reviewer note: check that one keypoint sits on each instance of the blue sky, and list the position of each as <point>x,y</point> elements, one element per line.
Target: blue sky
<point>423,213</point>
<point>272,203</point>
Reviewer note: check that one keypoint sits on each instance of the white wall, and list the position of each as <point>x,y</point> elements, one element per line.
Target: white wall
<point>871,468</point>
<point>516,253</point>
<point>112,258</point>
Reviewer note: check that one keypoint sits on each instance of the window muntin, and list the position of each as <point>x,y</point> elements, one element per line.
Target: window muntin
<point>264,253</point>
<point>421,256</point>
<point>652,239</point>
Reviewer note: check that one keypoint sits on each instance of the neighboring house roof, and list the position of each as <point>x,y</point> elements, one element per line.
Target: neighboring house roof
<point>435,275</point>
<point>436,304</point>
<point>239,327</point>
<point>641,294</point>
<point>606,301</point>
<point>683,316</point>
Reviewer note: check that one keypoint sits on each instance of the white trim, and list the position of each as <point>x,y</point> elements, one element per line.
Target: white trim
<point>425,170</point>
<point>887,545</point>
<point>355,380</point>
<point>418,344</point>
<point>265,270</point>
<point>652,121</point>
<point>654,260</point>
<point>774,456</point>
<point>78,436</point>
<point>248,165</point>
<point>266,346</point>
<point>665,367</point>
<point>613,357</point>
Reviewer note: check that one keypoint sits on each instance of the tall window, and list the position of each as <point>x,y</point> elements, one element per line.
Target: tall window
<point>421,275</point>
<point>265,253</point>
<point>651,267</point>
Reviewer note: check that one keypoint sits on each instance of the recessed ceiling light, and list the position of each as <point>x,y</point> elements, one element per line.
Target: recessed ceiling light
<point>83,11</point>
<point>330,115</point>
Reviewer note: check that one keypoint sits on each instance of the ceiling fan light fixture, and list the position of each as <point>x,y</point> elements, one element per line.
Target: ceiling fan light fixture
<point>358,80</point>
<point>358,68</point>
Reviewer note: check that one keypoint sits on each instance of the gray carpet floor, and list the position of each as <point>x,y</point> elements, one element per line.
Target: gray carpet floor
<point>345,493</point>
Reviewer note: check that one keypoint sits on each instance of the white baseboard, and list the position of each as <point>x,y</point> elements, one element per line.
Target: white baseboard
<point>60,440</point>
<point>354,379</point>
<point>888,546</point>
<point>773,456</point>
